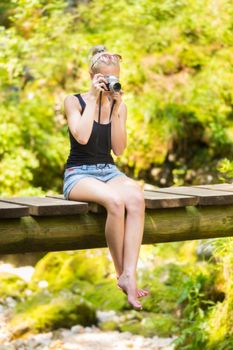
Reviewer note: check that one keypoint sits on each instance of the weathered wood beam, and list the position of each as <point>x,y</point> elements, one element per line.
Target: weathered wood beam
<point>51,223</point>
<point>86,230</point>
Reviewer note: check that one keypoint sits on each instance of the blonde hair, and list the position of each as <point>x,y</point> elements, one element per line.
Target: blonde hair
<point>95,59</point>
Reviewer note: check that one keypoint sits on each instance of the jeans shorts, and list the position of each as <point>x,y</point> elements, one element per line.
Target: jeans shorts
<point>99,171</point>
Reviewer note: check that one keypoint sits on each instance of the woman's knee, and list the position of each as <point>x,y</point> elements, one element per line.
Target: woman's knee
<point>136,201</point>
<point>115,204</point>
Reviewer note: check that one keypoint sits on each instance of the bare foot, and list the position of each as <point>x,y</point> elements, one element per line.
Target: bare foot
<point>140,292</point>
<point>128,284</point>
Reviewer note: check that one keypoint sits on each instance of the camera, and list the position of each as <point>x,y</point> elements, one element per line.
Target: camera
<point>113,83</point>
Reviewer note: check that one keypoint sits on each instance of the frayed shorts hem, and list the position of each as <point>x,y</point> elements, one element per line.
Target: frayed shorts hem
<point>69,188</point>
<point>73,175</point>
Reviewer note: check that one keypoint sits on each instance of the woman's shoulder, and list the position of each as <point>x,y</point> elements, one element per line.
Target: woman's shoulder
<point>75,97</point>
<point>72,100</point>
<point>75,94</point>
<point>83,95</point>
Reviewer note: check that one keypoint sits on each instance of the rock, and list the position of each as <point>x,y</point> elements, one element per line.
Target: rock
<point>162,342</point>
<point>10,302</point>
<point>7,347</point>
<point>103,316</point>
<point>204,250</point>
<point>88,330</point>
<point>77,329</point>
<point>39,340</point>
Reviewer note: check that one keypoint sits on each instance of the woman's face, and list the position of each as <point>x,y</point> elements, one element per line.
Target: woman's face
<point>106,71</point>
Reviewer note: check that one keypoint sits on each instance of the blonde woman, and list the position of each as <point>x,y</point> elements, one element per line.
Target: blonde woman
<point>97,123</point>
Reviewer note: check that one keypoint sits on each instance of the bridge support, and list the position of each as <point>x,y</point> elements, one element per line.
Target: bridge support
<point>86,230</point>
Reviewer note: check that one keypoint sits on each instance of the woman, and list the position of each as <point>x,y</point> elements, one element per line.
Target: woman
<point>91,174</point>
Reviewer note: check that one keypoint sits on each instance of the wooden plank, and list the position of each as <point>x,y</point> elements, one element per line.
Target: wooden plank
<point>205,196</point>
<point>58,196</point>
<point>217,187</point>
<point>43,206</point>
<point>8,210</point>
<point>92,206</point>
<point>155,200</point>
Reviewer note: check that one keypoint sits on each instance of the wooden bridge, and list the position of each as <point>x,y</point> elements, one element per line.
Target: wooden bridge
<point>51,223</point>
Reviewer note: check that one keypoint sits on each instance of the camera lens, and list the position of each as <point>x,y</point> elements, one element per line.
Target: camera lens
<point>117,87</point>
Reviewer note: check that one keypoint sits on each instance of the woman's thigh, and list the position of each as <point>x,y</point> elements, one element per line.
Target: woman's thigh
<point>130,190</point>
<point>92,190</point>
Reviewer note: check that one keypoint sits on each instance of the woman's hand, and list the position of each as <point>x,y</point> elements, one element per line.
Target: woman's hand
<point>117,96</point>
<point>98,84</point>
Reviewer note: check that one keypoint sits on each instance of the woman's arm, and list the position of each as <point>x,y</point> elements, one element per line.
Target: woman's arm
<point>80,126</point>
<point>118,129</point>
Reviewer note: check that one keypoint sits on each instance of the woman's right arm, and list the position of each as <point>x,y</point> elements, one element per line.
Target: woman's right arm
<point>81,125</point>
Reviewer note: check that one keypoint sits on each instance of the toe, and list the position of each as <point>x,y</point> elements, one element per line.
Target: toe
<point>138,306</point>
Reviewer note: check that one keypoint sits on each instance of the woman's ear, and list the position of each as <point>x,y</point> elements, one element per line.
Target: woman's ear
<point>91,74</point>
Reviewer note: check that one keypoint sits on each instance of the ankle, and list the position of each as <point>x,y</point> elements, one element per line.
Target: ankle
<point>129,273</point>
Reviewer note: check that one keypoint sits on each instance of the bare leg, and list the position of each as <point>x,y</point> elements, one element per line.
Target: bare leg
<point>134,227</point>
<point>114,232</point>
<point>93,190</point>
<point>140,292</point>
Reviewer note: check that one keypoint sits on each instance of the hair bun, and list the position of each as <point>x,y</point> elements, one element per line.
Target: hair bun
<point>98,48</point>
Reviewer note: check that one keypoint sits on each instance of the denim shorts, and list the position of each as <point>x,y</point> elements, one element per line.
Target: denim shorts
<point>99,171</point>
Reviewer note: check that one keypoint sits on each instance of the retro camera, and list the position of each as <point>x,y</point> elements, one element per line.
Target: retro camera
<point>113,83</point>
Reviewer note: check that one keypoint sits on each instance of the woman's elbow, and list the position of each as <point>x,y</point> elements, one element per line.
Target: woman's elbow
<point>118,152</point>
<point>82,139</point>
<point>82,142</point>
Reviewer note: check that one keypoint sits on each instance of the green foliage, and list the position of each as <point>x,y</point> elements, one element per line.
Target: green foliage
<point>193,334</point>
<point>185,294</point>
<point>176,78</point>
<point>220,319</point>
<point>225,167</point>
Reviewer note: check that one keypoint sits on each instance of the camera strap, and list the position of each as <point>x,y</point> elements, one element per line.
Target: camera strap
<point>108,128</point>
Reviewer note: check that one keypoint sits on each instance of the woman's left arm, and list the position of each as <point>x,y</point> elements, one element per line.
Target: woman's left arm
<point>118,128</point>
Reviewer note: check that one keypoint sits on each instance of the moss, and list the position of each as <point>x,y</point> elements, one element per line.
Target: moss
<point>163,325</point>
<point>48,269</point>
<point>106,295</point>
<point>45,311</point>
<point>11,285</point>
<point>85,266</point>
<point>133,326</point>
<point>61,269</point>
<point>108,326</point>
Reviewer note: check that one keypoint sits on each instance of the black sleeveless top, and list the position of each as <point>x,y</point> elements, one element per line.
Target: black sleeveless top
<point>91,153</point>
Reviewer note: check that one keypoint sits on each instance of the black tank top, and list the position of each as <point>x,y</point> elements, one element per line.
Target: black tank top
<point>90,153</point>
